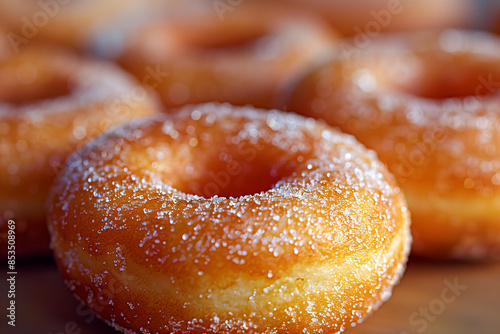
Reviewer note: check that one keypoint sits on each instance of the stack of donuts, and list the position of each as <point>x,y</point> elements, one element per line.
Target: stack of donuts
<point>231,167</point>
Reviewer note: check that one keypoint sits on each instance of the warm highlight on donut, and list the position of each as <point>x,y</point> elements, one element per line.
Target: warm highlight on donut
<point>220,219</point>
<point>428,104</point>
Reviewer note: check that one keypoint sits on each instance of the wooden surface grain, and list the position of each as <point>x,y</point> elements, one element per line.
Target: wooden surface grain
<point>422,303</point>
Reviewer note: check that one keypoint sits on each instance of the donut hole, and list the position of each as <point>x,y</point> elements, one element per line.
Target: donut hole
<point>25,83</point>
<point>244,169</point>
<point>449,78</point>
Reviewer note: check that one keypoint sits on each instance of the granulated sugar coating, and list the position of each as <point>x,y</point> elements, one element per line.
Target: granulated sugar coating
<point>220,219</point>
<point>428,104</point>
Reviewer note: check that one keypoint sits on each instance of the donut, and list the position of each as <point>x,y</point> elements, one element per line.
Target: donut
<point>368,18</point>
<point>222,219</point>
<point>238,55</point>
<point>51,102</point>
<point>428,104</point>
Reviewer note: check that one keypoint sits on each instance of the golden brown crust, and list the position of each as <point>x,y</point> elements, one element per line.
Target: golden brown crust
<point>428,104</point>
<point>220,219</point>
<point>51,102</point>
<point>239,57</point>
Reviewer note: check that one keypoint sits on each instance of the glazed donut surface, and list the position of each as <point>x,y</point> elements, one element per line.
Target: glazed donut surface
<point>220,219</point>
<point>239,58</point>
<point>428,104</point>
<point>50,103</point>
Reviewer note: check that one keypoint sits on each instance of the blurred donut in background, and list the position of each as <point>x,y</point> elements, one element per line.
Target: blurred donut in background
<point>238,54</point>
<point>429,104</point>
<point>51,102</point>
<point>74,23</point>
<point>376,16</point>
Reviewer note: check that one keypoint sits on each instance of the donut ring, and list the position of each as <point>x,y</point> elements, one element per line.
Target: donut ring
<point>50,103</point>
<point>428,104</point>
<point>303,218</point>
<point>240,59</point>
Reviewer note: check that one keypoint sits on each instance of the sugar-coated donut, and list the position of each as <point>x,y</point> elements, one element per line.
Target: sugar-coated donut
<point>428,104</point>
<point>238,55</point>
<point>51,102</point>
<point>221,219</point>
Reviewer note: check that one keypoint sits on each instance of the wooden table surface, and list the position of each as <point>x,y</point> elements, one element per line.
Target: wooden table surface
<point>422,303</point>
